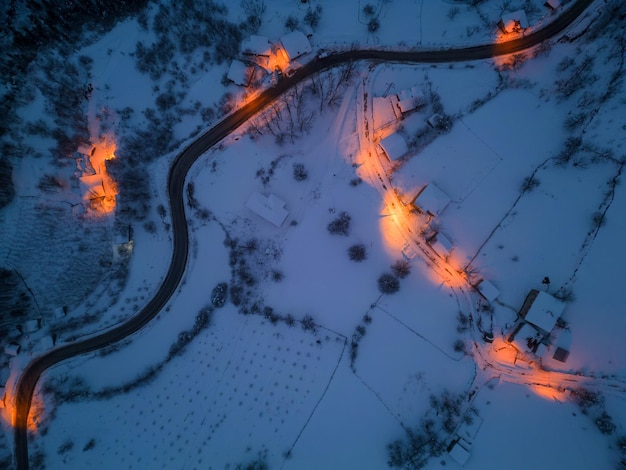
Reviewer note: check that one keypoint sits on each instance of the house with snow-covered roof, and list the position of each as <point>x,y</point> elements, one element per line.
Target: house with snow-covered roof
<point>410,99</point>
<point>240,73</point>
<point>441,244</point>
<point>513,22</point>
<point>295,44</point>
<point>270,208</point>
<point>256,46</point>
<point>541,310</point>
<point>552,4</point>
<point>431,200</point>
<point>487,290</point>
<point>394,146</point>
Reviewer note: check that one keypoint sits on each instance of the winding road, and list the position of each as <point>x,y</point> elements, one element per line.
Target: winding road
<point>184,161</point>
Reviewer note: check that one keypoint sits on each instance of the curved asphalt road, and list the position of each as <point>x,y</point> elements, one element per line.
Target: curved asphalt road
<point>176,183</point>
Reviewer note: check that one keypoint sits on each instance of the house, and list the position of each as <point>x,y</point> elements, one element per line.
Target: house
<point>431,200</point>
<point>458,452</point>
<point>32,325</point>
<point>270,208</point>
<point>12,349</point>
<point>513,22</point>
<point>60,312</point>
<point>410,99</point>
<point>541,310</point>
<point>240,73</point>
<point>295,44</point>
<point>487,290</point>
<point>441,244</point>
<point>552,4</point>
<point>394,146</point>
<point>258,46</point>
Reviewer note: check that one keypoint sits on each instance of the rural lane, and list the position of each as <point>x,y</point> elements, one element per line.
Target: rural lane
<point>184,161</point>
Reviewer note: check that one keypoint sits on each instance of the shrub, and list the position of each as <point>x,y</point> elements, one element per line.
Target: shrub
<point>401,268</point>
<point>341,225</point>
<point>459,345</point>
<point>605,424</point>
<point>355,181</point>
<point>373,25</point>
<point>368,10</point>
<point>308,323</point>
<point>530,183</point>
<point>357,252</point>
<point>219,294</point>
<point>312,16</point>
<point>388,283</point>
<point>299,172</point>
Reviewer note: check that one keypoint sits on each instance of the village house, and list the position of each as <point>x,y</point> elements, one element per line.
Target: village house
<point>431,200</point>
<point>487,290</point>
<point>552,4</point>
<point>394,146</point>
<point>258,46</point>
<point>513,22</point>
<point>537,319</point>
<point>12,349</point>
<point>270,208</point>
<point>240,73</point>
<point>440,243</point>
<point>295,44</point>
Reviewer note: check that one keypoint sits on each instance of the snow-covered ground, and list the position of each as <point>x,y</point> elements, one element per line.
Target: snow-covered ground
<point>260,387</point>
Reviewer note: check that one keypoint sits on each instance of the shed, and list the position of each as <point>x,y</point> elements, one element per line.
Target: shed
<point>441,244</point>
<point>431,200</point>
<point>270,208</point>
<point>560,354</point>
<point>487,290</point>
<point>60,312</point>
<point>32,325</point>
<point>256,46</point>
<point>526,338</point>
<point>12,349</point>
<point>458,453</point>
<point>394,146</point>
<point>542,310</point>
<point>239,73</point>
<point>552,4</point>
<point>295,44</point>
<point>513,22</point>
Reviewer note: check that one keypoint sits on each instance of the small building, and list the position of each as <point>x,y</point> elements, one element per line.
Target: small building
<point>270,208</point>
<point>258,46</point>
<point>394,146</point>
<point>458,452</point>
<point>410,99</point>
<point>12,349</point>
<point>431,200</point>
<point>435,120</point>
<point>560,354</point>
<point>441,244</point>
<point>552,4</point>
<point>240,73</point>
<point>513,22</point>
<point>32,325</point>
<point>295,44</point>
<point>541,310</point>
<point>487,290</point>
<point>525,338</point>
<point>60,312</point>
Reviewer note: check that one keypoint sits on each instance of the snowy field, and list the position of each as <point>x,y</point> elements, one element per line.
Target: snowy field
<point>309,365</point>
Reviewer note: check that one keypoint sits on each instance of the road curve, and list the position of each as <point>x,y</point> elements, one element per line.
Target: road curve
<point>176,181</point>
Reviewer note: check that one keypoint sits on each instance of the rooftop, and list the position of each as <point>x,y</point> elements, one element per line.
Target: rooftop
<point>431,199</point>
<point>394,146</point>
